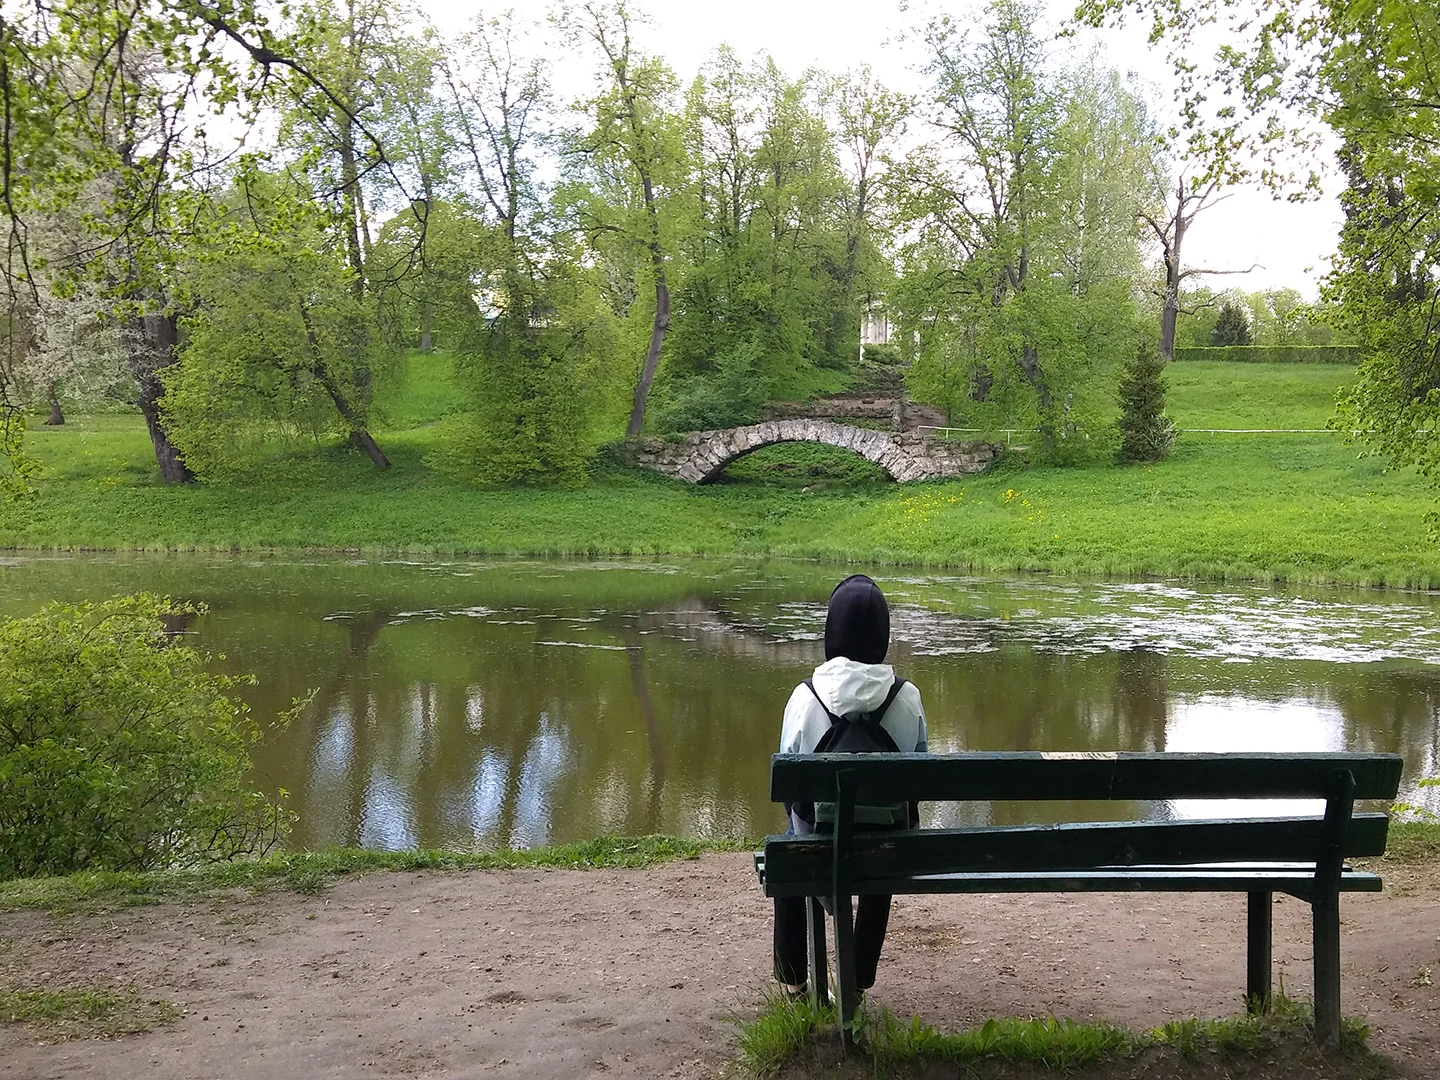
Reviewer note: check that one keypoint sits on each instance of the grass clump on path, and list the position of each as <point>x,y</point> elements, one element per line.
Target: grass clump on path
<point>84,1012</point>
<point>792,1036</point>
<point>311,871</point>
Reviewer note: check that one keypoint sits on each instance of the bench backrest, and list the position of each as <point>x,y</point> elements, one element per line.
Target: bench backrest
<point>798,868</point>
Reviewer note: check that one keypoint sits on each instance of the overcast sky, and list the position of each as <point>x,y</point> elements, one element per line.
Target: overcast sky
<point>1291,242</point>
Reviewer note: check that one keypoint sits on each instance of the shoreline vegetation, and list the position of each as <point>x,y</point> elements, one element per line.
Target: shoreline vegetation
<point>307,872</point>
<point>1268,508</point>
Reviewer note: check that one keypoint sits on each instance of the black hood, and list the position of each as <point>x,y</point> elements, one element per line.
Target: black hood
<point>857,625</point>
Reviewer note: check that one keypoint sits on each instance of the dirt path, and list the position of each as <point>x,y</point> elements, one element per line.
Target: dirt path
<point>639,973</point>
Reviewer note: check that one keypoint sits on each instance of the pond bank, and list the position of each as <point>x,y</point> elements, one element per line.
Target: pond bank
<point>1268,508</point>
<point>642,972</point>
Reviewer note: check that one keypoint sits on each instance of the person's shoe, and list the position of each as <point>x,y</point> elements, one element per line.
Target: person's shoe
<point>794,993</point>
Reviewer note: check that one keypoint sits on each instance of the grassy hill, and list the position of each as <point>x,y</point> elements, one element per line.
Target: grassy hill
<point>1264,507</point>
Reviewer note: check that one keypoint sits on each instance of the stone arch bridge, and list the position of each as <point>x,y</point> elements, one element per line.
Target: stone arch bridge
<point>703,456</point>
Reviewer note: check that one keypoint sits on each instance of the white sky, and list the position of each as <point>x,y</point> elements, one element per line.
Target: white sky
<point>1291,242</point>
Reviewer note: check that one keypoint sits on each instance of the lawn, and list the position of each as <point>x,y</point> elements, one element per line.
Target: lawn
<point>1261,507</point>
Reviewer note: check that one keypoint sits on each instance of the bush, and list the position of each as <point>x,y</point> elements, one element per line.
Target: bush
<point>887,354</point>
<point>1146,433</point>
<point>730,397</point>
<point>117,750</point>
<point>1275,354</point>
<point>1232,327</point>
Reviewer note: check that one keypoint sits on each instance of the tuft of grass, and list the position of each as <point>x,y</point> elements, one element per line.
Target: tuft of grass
<point>1055,1044</point>
<point>786,1029</point>
<point>781,1033</point>
<point>311,871</point>
<point>1412,842</point>
<point>84,1012</point>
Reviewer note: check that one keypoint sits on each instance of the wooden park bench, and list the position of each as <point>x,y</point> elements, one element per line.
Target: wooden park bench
<point>1300,855</point>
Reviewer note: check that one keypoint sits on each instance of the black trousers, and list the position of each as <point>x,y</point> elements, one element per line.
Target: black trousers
<point>872,915</point>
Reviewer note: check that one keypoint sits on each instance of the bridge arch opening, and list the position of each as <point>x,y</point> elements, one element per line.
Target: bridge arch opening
<point>794,461</point>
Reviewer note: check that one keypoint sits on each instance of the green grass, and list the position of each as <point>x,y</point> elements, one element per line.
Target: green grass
<point>1293,508</point>
<point>1412,842</point>
<point>309,872</point>
<point>786,1032</point>
<point>1219,395</point>
<point>84,1012</point>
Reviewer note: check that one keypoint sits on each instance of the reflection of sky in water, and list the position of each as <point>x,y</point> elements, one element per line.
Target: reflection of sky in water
<point>387,820</point>
<point>544,765</point>
<point>1214,724</point>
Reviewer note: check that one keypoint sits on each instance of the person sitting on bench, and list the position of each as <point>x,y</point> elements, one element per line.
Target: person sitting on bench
<point>853,703</point>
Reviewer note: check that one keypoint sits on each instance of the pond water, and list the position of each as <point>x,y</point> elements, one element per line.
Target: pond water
<point>485,703</point>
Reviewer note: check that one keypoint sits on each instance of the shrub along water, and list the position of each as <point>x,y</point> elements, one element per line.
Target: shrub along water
<point>118,751</point>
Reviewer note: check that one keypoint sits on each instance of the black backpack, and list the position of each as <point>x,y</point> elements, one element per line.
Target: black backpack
<point>859,734</point>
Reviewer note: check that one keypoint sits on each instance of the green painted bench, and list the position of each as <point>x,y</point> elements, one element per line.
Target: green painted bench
<point>1303,856</point>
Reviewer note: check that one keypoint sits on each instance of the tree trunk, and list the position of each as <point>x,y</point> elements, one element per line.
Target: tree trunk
<point>662,316</point>
<point>652,356</point>
<point>426,336</point>
<point>1170,302</point>
<point>360,438</point>
<point>350,188</point>
<point>150,342</point>
<point>57,418</point>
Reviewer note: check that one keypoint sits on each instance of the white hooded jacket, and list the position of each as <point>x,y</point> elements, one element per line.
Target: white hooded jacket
<point>849,688</point>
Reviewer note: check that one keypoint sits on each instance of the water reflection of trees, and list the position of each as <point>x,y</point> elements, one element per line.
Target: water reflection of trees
<point>566,724</point>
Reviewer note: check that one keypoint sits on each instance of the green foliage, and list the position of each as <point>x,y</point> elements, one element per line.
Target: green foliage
<point>1272,354</point>
<point>1017,312</point>
<point>1232,327</point>
<point>734,395</point>
<point>1146,433</point>
<point>534,375</point>
<point>282,347</point>
<point>1279,318</point>
<point>117,750</point>
<point>887,354</point>
<point>309,871</point>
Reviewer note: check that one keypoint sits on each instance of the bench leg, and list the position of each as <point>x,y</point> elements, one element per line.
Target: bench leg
<point>1257,960</point>
<point>845,992</point>
<point>1326,914</point>
<point>815,952</point>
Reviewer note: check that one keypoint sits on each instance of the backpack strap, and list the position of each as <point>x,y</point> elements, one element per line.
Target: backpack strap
<point>874,717</point>
<point>895,688</point>
<point>816,693</point>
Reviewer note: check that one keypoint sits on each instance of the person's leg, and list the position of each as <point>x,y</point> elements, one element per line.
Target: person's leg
<point>872,915</point>
<point>791,958</point>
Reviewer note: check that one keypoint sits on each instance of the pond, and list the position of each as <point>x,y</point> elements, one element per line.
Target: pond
<point>485,703</point>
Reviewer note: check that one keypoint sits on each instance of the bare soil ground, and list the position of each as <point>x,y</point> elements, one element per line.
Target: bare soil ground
<point>642,973</point>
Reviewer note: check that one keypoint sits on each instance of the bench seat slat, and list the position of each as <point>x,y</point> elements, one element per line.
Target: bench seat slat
<point>1080,846</point>
<point>1035,776</point>
<point>1297,882</point>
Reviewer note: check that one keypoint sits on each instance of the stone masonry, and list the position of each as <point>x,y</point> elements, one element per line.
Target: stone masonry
<point>701,457</point>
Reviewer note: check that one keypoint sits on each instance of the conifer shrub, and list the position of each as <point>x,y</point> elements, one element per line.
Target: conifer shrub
<point>118,750</point>
<point>1232,327</point>
<point>1146,433</point>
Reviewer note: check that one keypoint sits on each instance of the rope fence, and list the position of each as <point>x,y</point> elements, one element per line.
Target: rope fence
<point>1009,433</point>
